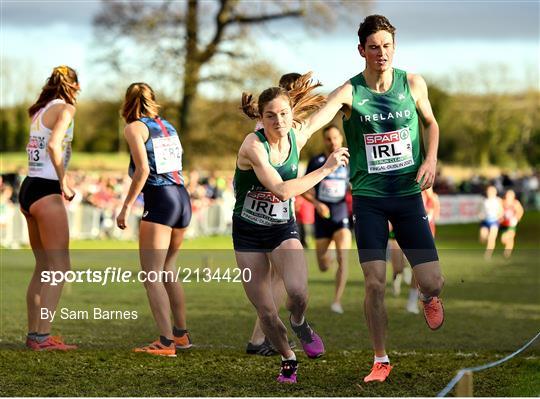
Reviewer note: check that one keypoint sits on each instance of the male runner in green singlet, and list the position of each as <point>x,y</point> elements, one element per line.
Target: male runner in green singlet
<point>384,108</point>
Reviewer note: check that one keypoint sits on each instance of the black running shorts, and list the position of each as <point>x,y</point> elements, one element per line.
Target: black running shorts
<point>35,188</point>
<point>410,222</point>
<point>249,237</point>
<point>325,228</point>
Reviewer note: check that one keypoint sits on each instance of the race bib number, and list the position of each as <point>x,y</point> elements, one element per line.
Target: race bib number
<point>36,152</point>
<point>168,153</point>
<point>332,190</point>
<point>264,208</point>
<point>388,151</point>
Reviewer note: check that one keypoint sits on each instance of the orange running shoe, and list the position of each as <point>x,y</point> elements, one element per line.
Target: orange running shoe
<point>434,313</point>
<point>183,342</point>
<point>379,372</point>
<point>50,344</point>
<point>157,348</point>
<point>31,343</point>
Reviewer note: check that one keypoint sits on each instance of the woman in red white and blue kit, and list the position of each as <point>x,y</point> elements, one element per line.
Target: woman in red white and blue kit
<point>156,170</point>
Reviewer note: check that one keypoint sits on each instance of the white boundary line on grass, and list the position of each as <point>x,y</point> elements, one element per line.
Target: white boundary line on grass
<point>461,372</point>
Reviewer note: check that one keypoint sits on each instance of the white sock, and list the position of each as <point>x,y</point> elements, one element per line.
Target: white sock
<point>299,324</point>
<point>413,295</point>
<point>383,359</point>
<point>292,357</point>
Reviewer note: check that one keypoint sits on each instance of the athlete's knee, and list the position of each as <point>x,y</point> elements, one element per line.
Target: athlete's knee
<point>323,260</point>
<point>375,288</point>
<point>57,266</point>
<point>433,285</point>
<point>341,258</point>
<point>323,265</point>
<point>342,269</point>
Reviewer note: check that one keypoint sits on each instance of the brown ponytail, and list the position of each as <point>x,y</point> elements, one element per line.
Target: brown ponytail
<point>248,106</point>
<point>63,84</point>
<point>286,81</point>
<point>140,101</point>
<point>301,100</point>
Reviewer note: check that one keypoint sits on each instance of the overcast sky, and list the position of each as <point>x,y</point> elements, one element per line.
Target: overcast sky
<point>435,38</point>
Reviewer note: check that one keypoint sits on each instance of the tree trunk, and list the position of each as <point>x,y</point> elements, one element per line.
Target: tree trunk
<point>191,71</point>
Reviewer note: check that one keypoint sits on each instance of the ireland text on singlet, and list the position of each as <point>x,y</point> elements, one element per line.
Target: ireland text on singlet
<point>383,136</point>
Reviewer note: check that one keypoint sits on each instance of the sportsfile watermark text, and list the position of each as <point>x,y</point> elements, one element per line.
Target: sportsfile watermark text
<point>118,275</point>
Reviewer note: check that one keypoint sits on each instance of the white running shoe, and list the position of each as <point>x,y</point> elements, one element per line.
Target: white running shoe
<point>407,275</point>
<point>336,308</point>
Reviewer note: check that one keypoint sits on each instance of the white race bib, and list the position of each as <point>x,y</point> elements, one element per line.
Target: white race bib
<point>264,208</point>
<point>168,154</point>
<point>388,151</point>
<point>332,190</point>
<point>37,153</point>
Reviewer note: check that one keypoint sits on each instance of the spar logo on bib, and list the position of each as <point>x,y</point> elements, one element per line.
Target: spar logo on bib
<point>404,134</point>
<point>266,196</point>
<point>264,208</point>
<point>388,151</point>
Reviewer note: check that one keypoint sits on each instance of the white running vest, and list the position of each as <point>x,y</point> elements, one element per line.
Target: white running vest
<point>39,161</point>
<point>492,209</point>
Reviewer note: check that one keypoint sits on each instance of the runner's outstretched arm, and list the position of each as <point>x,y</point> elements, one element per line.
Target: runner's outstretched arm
<point>254,152</point>
<point>337,99</point>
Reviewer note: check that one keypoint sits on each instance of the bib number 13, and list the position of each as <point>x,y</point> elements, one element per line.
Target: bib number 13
<point>33,155</point>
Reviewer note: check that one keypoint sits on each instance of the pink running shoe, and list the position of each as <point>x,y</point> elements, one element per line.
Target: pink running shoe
<point>310,340</point>
<point>287,373</point>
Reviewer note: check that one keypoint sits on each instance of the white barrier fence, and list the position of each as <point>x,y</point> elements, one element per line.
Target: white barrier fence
<point>87,222</point>
<point>457,209</point>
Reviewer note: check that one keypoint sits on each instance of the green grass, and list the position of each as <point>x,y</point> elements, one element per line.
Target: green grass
<point>460,236</point>
<point>492,308</point>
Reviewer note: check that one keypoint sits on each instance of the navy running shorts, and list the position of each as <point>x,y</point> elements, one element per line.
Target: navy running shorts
<point>169,205</point>
<point>489,223</point>
<point>249,237</point>
<point>410,222</point>
<point>325,228</point>
<point>35,188</point>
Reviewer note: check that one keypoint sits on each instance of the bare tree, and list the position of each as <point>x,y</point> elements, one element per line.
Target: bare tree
<point>195,39</point>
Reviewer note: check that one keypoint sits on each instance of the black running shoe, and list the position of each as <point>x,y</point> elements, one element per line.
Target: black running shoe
<point>264,349</point>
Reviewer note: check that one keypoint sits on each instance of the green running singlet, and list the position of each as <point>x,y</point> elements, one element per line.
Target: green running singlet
<point>383,137</point>
<point>254,202</point>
